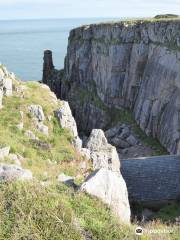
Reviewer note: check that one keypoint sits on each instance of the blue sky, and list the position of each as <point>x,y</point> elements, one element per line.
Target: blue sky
<point>21,9</point>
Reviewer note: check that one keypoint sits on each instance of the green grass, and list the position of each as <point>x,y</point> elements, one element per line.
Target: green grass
<point>37,159</point>
<point>169,212</point>
<point>30,211</point>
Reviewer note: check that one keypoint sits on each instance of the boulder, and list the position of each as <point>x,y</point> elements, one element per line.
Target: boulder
<point>125,132</point>
<point>132,140</point>
<point>31,135</point>
<point>112,132</point>
<point>120,143</point>
<point>102,154</point>
<point>42,128</point>
<point>97,140</point>
<point>110,187</point>
<point>37,112</point>
<point>16,159</point>
<point>69,181</point>
<point>4,152</point>
<point>13,172</point>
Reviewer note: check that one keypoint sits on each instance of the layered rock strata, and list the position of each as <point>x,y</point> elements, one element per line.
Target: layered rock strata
<point>132,65</point>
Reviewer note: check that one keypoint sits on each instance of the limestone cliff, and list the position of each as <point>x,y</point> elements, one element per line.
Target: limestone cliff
<point>133,65</point>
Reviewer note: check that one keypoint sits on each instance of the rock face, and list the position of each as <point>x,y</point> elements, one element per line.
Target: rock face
<point>111,188</point>
<point>5,83</point>
<point>103,155</point>
<point>66,119</point>
<point>37,112</point>
<point>106,182</point>
<point>132,65</point>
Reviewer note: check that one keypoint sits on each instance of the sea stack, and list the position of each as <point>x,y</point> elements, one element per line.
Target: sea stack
<point>48,65</point>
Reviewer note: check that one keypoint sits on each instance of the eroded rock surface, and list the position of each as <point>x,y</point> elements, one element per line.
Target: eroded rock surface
<point>127,143</point>
<point>6,83</point>
<point>110,187</point>
<point>37,111</point>
<point>66,120</point>
<point>13,172</point>
<point>103,155</point>
<point>132,65</point>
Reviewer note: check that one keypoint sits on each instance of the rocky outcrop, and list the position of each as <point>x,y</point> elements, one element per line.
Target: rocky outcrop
<point>6,80</point>
<point>132,65</point>
<point>111,188</point>
<point>37,111</point>
<point>13,172</point>
<point>102,154</point>
<point>67,121</point>
<point>106,182</point>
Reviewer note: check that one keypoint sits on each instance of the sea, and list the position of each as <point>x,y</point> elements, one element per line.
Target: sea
<point>22,43</point>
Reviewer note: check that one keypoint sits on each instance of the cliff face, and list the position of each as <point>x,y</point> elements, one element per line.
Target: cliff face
<point>126,65</point>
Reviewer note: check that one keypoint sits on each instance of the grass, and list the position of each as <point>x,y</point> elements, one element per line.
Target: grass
<point>136,21</point>
<point>169,212</point>
<point>28,210</point>
<point>61,156</point>
<point>31,211</point>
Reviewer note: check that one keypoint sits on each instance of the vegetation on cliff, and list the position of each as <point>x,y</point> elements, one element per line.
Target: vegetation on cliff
<point>43,208</point>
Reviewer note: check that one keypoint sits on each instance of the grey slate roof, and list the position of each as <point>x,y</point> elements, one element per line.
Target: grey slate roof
<point>152,179</point>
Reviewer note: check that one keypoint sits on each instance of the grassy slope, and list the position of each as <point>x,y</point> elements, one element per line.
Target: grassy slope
<point>32,211</point>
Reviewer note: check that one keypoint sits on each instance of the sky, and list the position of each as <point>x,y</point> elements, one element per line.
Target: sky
<point>38,9</point>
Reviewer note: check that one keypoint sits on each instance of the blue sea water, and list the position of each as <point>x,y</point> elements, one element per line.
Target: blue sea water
<point>22,43</point>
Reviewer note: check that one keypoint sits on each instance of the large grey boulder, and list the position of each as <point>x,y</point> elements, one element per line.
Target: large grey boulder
<point>67,121</point>
<point>102,154</point>
<point>13,172</point>
<point>37,111</point>
<point>110,187</point>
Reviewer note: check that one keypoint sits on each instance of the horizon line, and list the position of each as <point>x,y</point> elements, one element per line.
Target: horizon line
<point>69,18</point>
